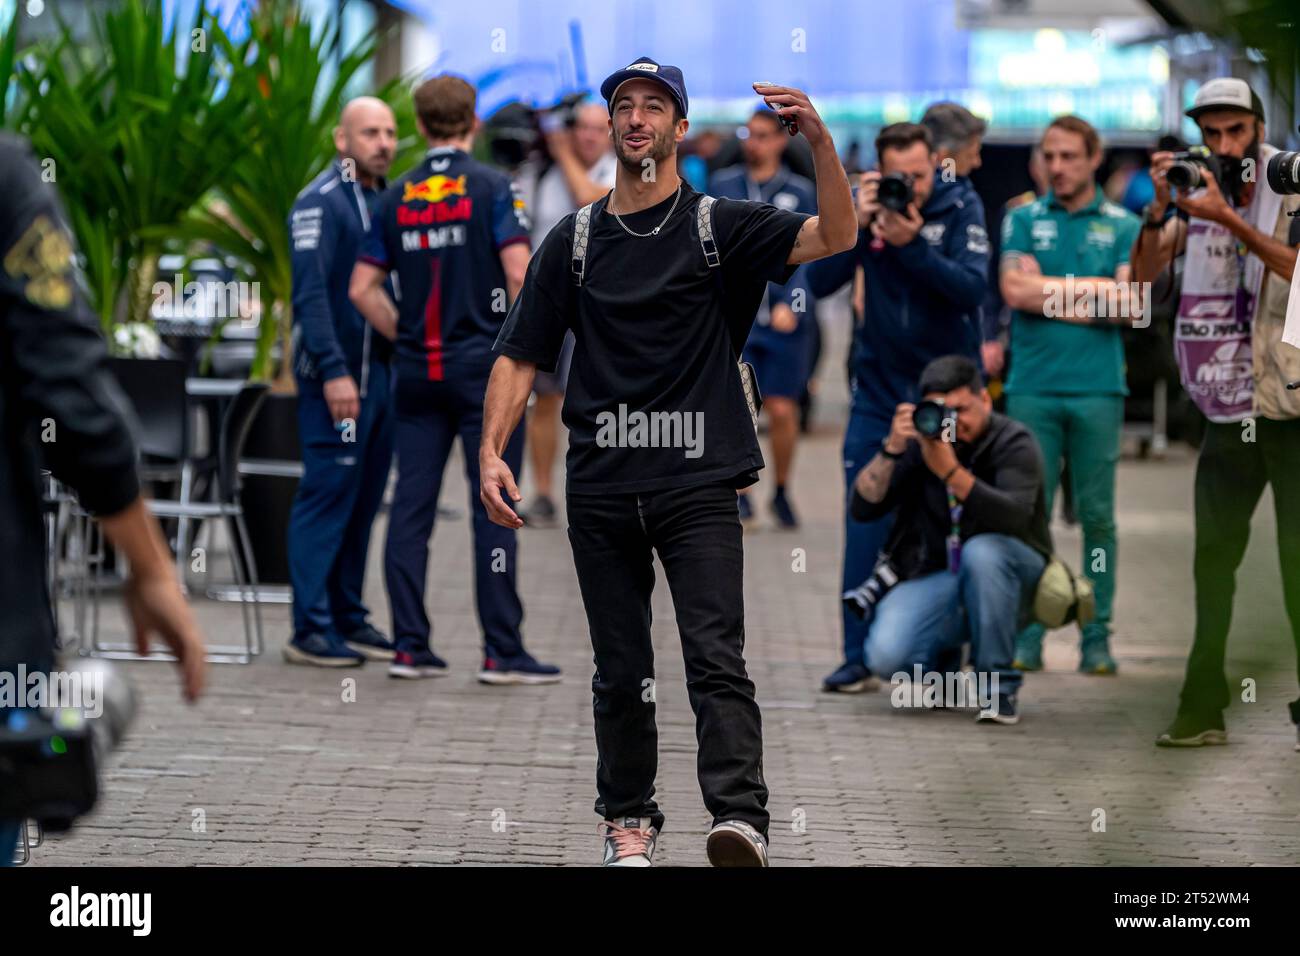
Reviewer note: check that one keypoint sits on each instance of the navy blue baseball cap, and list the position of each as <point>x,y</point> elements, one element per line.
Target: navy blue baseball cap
<point>645,68</point>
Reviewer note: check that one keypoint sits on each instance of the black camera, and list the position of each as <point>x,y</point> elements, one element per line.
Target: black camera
<point>930,417</point>
<point>1189,168</point>
<point>47,767</point>
<point>895,192</point>
<point>1284,173</point>
<point>862,600</point>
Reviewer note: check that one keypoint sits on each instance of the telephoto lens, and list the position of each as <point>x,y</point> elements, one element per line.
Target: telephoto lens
<point>1284,173</point>
<point>895,192</point>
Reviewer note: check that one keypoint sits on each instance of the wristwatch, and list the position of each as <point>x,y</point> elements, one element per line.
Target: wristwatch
<point>892,456</point>
<point>1148,222</point>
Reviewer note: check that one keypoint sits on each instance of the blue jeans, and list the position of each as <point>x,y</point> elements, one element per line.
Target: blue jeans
<point>863,540</point>
<point>918,620</point>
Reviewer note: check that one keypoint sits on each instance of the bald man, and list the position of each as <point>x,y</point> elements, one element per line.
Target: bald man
<point>344,415</point>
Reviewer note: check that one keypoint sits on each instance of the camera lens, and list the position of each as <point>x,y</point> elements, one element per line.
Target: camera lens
<point>1185,174</point>
<point>928,418</point>
<point>1284,174</point>
<point>895,192</point>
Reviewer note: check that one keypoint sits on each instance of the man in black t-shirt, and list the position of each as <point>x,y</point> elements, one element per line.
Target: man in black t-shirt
<point>660,439</point>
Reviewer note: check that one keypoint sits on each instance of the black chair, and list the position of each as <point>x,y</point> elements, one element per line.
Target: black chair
<point>228,510</point>
<point>156,391</point>
<point>234,431</point>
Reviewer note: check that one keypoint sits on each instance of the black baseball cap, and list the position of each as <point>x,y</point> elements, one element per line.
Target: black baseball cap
<point>645,68</point>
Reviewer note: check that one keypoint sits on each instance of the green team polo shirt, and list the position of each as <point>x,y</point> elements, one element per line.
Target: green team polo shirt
<point>1053,356</point>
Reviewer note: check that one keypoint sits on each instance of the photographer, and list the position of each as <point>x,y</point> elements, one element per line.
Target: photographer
<point>581,171</point>
<point>969,540</point>
<point>924,256</point>
<point>1239,245</point>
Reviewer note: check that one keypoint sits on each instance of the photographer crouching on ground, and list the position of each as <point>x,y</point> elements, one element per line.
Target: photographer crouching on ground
<point>969,540</point>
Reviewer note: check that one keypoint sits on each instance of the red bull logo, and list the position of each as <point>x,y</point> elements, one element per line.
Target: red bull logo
<point>434,189</point>
<point>435,213</point>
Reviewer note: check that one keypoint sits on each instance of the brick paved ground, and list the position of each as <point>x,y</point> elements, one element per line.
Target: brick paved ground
<point>449,771</point>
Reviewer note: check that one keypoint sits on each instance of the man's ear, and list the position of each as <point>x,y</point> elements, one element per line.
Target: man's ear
<point>986,399</point>
<point>340,139</point>
<point>683,125</point>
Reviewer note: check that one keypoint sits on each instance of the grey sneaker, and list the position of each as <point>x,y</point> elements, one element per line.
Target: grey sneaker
<point>736,843</point>
<point>629,842</point>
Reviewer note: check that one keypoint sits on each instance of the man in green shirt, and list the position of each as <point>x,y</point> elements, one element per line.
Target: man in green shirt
<point>1065,274</point>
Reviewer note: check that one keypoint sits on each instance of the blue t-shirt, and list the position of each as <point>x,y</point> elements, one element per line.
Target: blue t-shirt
<point>441,228</point>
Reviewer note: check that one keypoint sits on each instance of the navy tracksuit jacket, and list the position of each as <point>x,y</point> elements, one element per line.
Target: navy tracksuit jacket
<point>344,469</point>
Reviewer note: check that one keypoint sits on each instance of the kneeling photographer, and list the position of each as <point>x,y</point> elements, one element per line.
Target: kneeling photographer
<point>969,541</point>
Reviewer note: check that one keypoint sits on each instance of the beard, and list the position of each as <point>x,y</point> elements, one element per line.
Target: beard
<point>376,165</point>
<point>1234,182</point>
<point>661,147</point>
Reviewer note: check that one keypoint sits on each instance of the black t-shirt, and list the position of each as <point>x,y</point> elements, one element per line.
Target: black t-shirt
<point>654,398</point>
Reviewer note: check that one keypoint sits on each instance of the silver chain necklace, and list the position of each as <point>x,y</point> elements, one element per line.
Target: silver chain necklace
<point>655,230</point>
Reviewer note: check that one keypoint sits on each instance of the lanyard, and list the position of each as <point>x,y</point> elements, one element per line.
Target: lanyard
<point>954,534</point>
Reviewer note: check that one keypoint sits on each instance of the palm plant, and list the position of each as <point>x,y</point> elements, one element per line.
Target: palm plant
<point>1273,28</point>
<point>13,101</point>
<point>279,70</point>
<point>136,141</point>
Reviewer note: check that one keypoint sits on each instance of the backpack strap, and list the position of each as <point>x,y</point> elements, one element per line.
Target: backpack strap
<point>581,234</point>
<point>704,227</point>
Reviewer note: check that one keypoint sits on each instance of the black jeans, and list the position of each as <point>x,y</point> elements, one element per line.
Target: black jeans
<point>696,533</point>
<point>1230,478</point>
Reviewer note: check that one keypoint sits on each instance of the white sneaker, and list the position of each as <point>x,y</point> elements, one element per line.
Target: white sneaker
<point>630,842</point>
<point>736,843</point>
